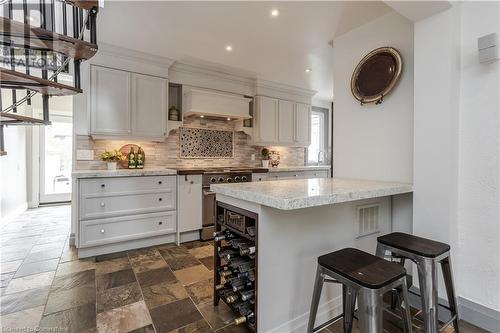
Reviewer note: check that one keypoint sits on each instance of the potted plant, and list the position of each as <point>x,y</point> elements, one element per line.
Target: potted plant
<point>112,158</point>
<point>265,157</point>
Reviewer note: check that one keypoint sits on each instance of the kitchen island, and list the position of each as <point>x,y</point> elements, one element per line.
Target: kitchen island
<point>300,219</point>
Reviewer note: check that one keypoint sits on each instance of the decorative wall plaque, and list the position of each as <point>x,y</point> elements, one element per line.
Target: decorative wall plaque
<point>376,75</point>
<point>206,143</point>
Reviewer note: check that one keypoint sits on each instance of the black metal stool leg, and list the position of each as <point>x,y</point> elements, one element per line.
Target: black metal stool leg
<point>450,291</point>
<point>318,286</point>
<point>348,305</point>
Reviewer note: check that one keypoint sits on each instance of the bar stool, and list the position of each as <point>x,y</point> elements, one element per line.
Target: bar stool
<point>364,277</point>
<point>426,254</point>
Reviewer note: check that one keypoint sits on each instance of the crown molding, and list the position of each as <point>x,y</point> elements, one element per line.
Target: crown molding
<point>129,54</point>
<point>283,88</point>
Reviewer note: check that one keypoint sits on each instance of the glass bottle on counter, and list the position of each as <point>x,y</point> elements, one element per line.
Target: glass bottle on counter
<point>140,159</point>
<point>131,159</point>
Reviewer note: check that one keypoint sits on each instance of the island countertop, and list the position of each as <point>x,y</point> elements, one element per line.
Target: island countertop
<point>303,193</point>
<point>79,174</point>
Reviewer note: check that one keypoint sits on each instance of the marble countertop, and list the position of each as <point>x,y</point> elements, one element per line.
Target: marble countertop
<point>79,174</point>
<point>300,168</point>
<point>303,193</point>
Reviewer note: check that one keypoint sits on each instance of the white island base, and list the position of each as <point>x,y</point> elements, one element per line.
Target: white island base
<point>290,241</point>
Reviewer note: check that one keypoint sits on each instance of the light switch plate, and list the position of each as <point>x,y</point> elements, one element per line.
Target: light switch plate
<point>252,157</point>
<point>84,155</point>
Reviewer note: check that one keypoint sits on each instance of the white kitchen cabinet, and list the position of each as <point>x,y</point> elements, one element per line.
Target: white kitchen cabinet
<point>127,105</point>
<point>286,122</point>
<point>302,174</point>
<point>149,106</point>
<point>110,109</point>
<point>259,177</point>
<point>266,119</point>
<point>281,122</point>
<point>190,206</point>
<point>302,120</point>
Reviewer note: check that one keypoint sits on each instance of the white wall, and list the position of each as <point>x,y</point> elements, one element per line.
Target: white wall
<point>374,141</point>
<point>457,135</point>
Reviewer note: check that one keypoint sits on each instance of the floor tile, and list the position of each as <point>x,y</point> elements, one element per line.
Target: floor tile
<point>75,266</point>
<point>217,316</point>
<point>111,256</point>
<point>21,241</point>
<point>10,266</point>
<point>23,300</point>
<point>52,239</point>
<point>145,329</point>
<point>155,276</point>
<point>201,326</point>
<point>146,259</point>
<point>119,296</point>
<point>235,329</point>
<point>5,279</point>
<point>182,262</point>
<point>174,315</point>
<point>43,255</point>
<point>53,246</point>
<point>163,293</point>
<point>73,280</point>
<point>173,251</point>
<point>193,274</point>
<point>124,319</point>
<point>70,253</point>
<point>37,267</point>
<point>110,266</point>
<point>202,252</point>
<point>70,298</point>
<point>208,262</point>
<point>198,243</point>
<point>30,282</point>
<point>202,291</point>
<point>76,320</point>
<point>115,279</point>
<point>12,256</point>
<point>21,321</point>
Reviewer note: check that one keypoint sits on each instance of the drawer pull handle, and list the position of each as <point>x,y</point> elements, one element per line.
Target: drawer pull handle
<point>102,231</point>
<point>103,204</point>
<point>103,185</point>
<point>191,182</point>
<point>159,182</point>
<point>160,199</point>
<point>160,223</point>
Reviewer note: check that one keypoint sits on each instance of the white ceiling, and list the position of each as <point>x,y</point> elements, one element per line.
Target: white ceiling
<point>272,48</point>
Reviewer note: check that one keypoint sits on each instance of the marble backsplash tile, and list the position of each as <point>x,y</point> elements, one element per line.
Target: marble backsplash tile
<point>167,154</point>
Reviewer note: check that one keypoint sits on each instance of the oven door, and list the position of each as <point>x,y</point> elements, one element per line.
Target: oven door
<point>208,208</point>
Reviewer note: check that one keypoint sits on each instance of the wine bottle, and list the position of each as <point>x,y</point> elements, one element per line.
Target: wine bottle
<point>246,250</point>
<point>131,159</point>
<point>140,159</point>
<point>223,235</point>
<point>231,297</point>
<point>222,286</point>
<point>248,318</point>
<point>251,231</point>
<point>238,242</point>
<point>243,266</point>
<point>247,295</point>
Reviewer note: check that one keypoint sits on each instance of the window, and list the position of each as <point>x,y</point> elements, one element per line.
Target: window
<point>317,152</point>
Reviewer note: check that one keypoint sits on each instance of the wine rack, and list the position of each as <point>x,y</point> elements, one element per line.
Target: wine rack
<point>235,253</point>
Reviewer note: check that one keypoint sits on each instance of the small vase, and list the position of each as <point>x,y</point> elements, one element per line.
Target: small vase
<point>265,164</point>
<point>111,165</point>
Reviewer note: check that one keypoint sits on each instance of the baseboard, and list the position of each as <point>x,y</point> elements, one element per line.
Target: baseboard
<point>72,239</point>
<point>14,213</point>
<point>471,312</point>
<point>189,236</point>
<point>326,311</point>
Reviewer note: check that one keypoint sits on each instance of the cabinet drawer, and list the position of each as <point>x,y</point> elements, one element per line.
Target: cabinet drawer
<point>101,205</point>
<point>126,184</point>
<point>316,174</point>
<point>112,230</point>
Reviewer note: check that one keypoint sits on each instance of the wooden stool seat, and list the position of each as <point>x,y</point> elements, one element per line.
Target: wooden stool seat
<point>363,268</point>
<point>418,245</point>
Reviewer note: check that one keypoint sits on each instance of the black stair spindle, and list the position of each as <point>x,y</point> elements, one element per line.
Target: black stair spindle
<point>12,58</point>
<point>2,146</point>
<point>53,28</point>
<point>45,98</point>
<point>93,25</point>
<point>26,42</point>
<point>76,33</point>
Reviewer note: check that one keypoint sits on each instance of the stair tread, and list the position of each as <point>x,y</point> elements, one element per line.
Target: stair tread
<point>7,118</point>
<point>3,153</point>
<point>17,80</point>
<point>84,4</point>
<point>23,35</point>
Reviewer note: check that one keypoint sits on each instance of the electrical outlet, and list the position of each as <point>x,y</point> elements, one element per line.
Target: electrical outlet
<point>252,157</point>
<point>84,155</point>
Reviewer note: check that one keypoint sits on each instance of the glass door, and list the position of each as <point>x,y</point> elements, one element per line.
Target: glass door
<point>56,144</point>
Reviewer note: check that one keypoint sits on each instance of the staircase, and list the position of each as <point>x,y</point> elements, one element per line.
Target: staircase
<point>38,45</point>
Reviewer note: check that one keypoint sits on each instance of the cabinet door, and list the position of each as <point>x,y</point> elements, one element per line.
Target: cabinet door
<point>286,121</point>
<point>109,102</point>
<point>189,202</point>
<point>267,109</point>
<point>149,106</point>
<point>302,124</point>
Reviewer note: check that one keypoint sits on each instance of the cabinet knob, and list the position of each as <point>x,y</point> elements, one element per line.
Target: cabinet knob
<point>102,231</point>
<point>103,185</point>
<point>160,223</point>
<point>295,175</point>
<point>129,131</point>
<point>160,199</point>
<point>160,182</point>
<point>103,204</point>
<point>191,182</point>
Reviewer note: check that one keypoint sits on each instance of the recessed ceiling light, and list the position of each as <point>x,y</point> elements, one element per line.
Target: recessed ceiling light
<point>229,48</point>
<point>228,118</point>
<point>202,116</point>
<point>308,70</point>
<point>275,12</point>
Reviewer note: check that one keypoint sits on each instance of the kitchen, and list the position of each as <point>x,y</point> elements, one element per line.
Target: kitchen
<point>222,181</point>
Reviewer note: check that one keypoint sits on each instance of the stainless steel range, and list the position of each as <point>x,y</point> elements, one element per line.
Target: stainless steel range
<point>217,176</point>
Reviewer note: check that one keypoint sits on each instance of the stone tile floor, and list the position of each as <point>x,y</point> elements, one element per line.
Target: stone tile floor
<point>160,289</point>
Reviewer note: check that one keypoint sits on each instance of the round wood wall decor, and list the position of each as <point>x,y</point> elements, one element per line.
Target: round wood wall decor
<point>376,75</point>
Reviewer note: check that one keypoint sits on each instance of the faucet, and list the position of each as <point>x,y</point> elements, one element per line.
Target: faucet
<point>321,152</point>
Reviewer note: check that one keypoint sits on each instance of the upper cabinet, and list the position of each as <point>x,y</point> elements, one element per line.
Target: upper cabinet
<point>127,105</point>
<point>281,122</point>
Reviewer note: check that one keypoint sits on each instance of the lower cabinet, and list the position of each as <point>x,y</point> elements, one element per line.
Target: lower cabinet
<point>280,175</point>
<point>122,213</point>
<point>190,203</point>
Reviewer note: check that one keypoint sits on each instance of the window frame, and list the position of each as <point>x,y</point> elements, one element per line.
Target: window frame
<point>325,113</point>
